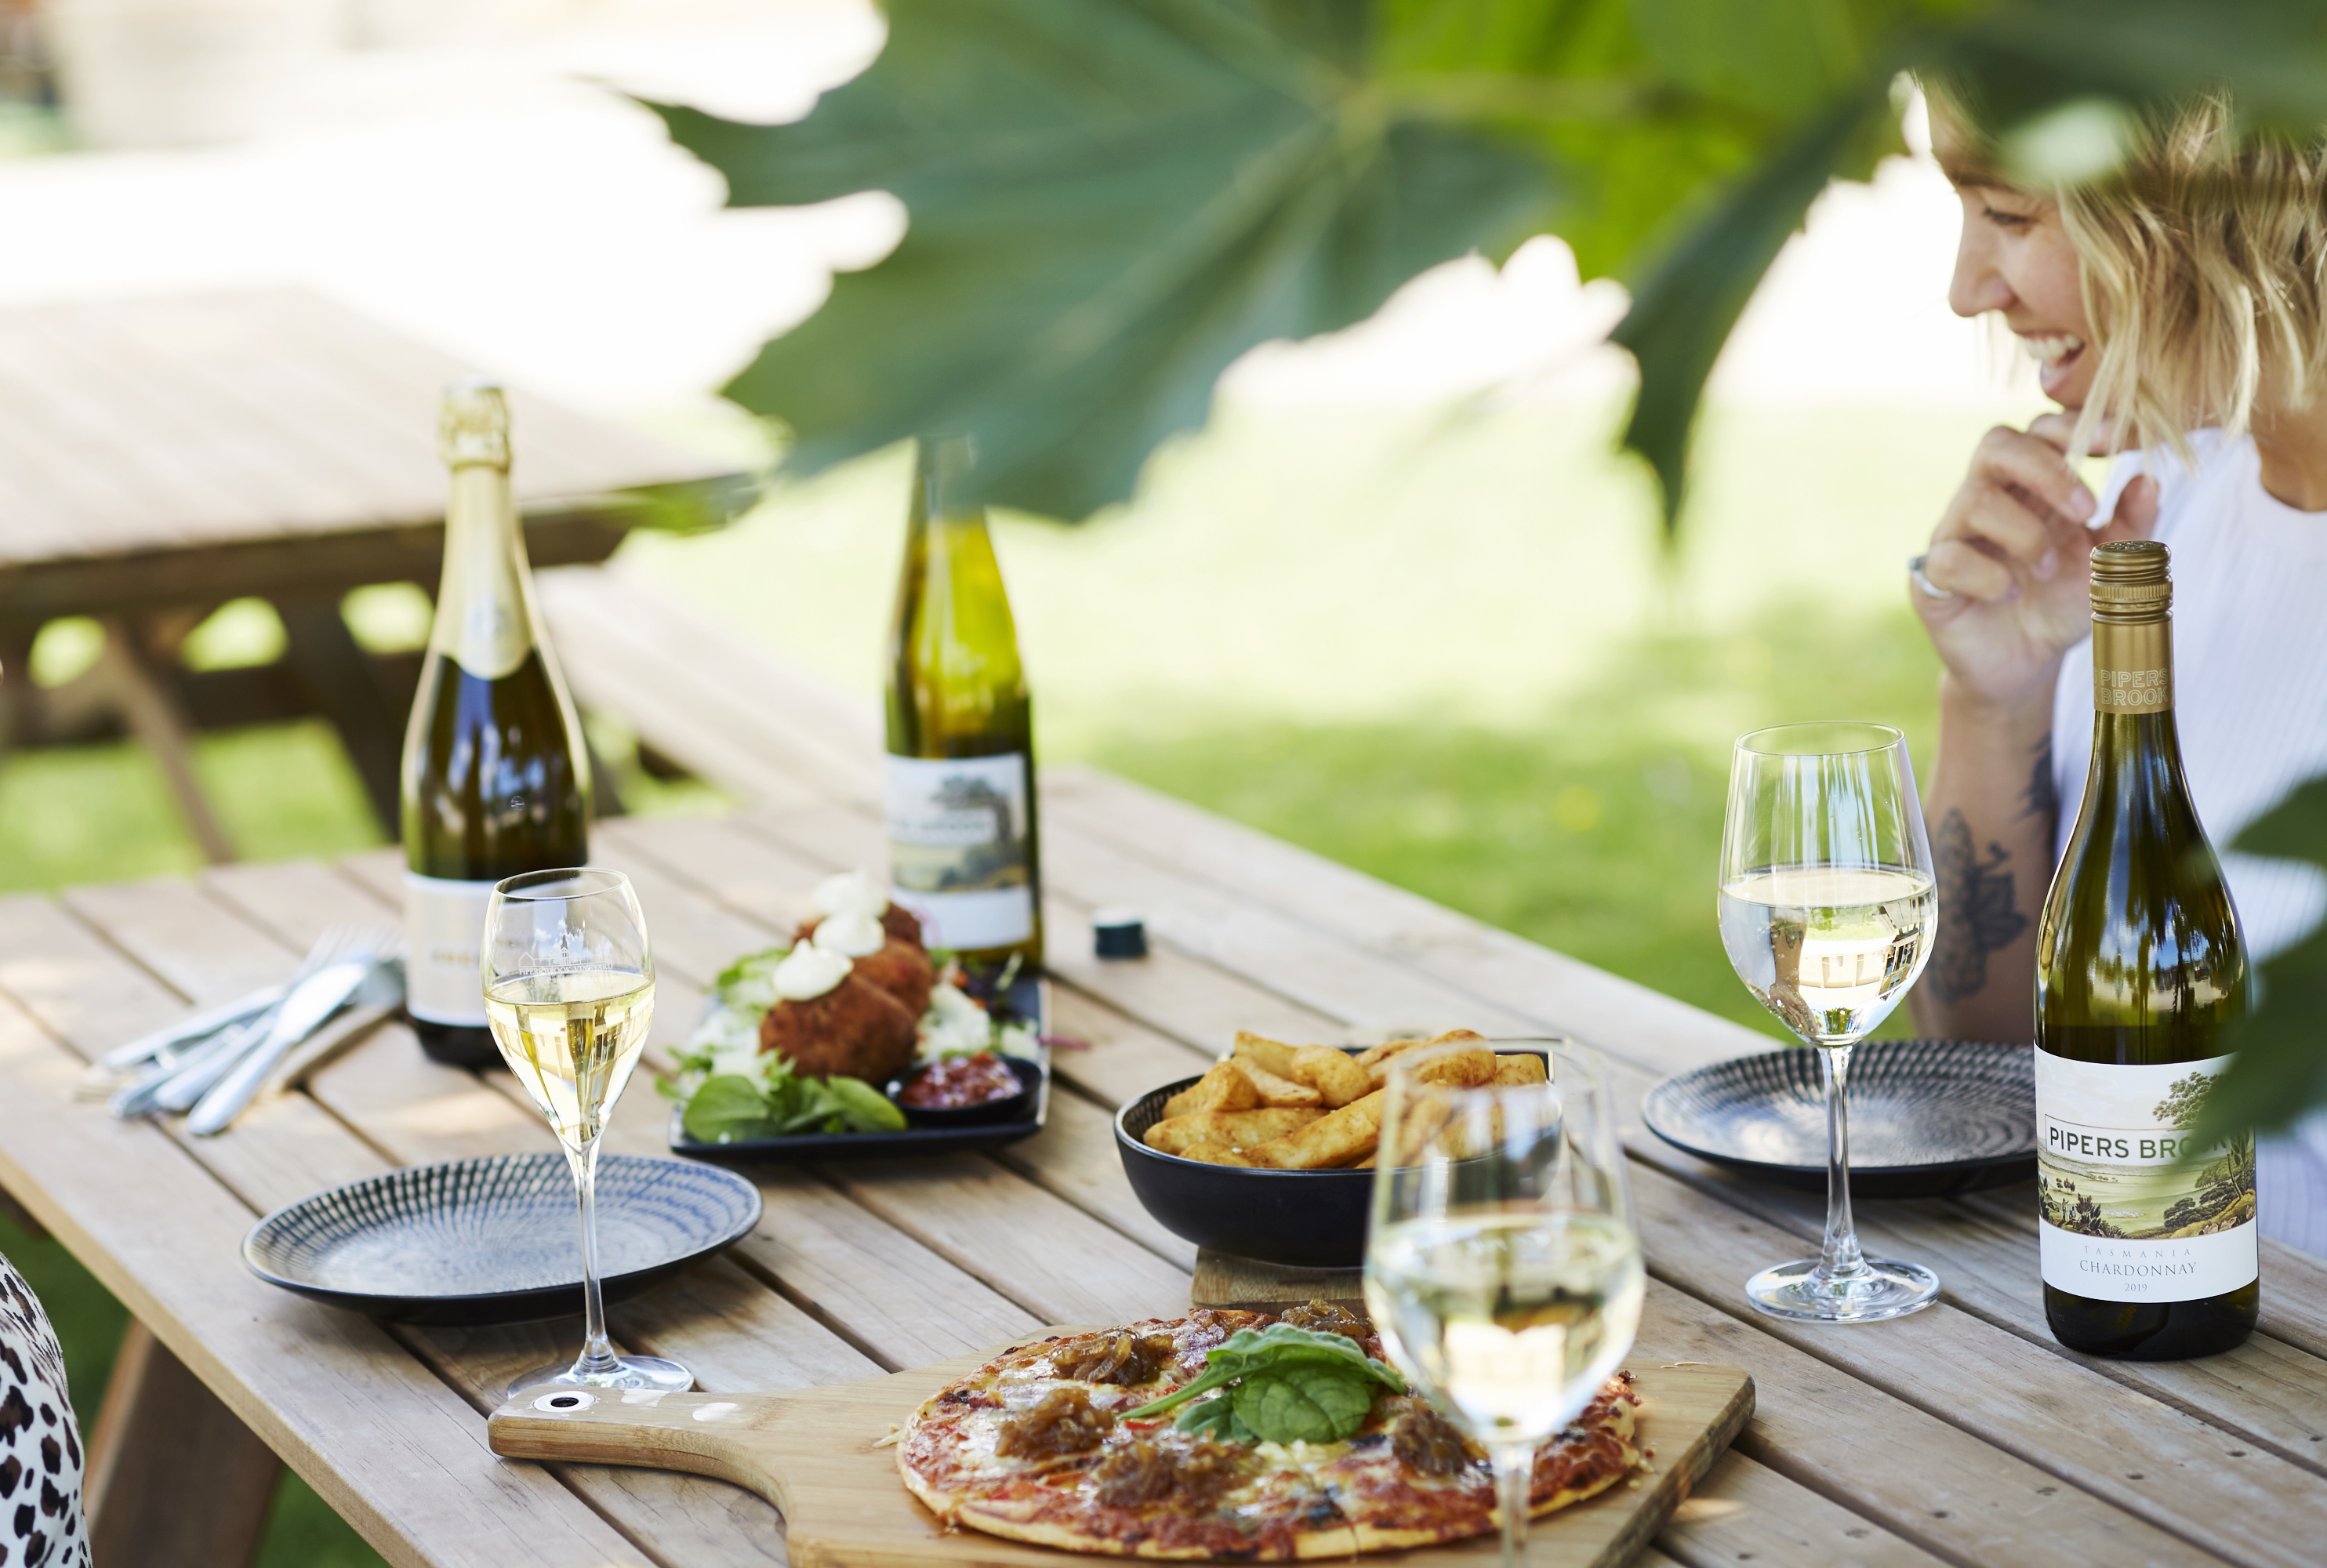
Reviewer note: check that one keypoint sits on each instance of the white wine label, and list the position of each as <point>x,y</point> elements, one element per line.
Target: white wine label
<point>958,850</point>
<point>444,949</point>
<point>2131,1211</point>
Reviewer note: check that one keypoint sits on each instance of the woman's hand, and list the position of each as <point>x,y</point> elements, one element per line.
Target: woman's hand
<point>2013,549</point>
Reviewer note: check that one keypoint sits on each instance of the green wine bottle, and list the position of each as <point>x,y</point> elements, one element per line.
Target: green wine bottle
<point>2148,1245</point>
<point>495,778</point>
<point>964,853</point>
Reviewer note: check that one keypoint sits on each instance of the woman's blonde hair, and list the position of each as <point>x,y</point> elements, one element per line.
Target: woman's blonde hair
<point>2202,257</point>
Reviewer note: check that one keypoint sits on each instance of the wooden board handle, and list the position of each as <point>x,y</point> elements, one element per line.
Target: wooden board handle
<point>708,1434</point>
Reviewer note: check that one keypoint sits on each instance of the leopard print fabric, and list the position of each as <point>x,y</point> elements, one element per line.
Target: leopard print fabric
<point>41,1523</point>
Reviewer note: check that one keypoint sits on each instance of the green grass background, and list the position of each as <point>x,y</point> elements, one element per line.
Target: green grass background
<point>1448,647</point>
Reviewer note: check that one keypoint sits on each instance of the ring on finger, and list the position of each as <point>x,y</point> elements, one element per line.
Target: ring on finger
<point>1928,589</point>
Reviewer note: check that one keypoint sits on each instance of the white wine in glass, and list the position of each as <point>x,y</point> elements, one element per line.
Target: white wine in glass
<point>1502,1270</point>
<point>1826,913</point>
<point>569,992</point>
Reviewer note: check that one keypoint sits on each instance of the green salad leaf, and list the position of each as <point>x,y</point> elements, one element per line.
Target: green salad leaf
<point>726,1108</point>
<point>1284,1384</point>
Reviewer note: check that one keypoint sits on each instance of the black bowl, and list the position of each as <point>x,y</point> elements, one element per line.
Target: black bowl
<point>1928,1117</point>
<point>1299,1219</point>
<point>1008,1108</point>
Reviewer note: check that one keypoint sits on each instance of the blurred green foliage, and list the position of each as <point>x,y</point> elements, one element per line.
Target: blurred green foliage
<point>1111,200</point>
<point>1595,830</point>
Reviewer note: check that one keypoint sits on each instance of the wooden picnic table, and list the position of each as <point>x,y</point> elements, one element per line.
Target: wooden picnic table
<point>161,456</point>
<point>1962,1435</point>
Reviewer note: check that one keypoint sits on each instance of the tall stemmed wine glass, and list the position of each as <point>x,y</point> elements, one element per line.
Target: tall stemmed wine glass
<point>1501,1267</point>
<point>1826,911</point>
<point>569,992</point>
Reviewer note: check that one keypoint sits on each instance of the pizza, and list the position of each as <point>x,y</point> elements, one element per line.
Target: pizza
<point>1041,1445</point>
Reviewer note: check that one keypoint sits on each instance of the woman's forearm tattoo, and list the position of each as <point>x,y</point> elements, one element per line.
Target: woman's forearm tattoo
<point>1976,916</point>
<point>2043,796</point>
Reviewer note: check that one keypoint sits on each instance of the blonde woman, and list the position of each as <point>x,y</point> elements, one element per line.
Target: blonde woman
<point>2179,307</point>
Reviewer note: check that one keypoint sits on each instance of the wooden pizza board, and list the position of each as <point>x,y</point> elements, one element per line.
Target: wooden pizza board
<point>812,1453</point>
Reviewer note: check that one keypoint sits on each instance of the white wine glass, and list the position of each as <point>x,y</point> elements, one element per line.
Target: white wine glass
<point>1827,911</point>
<point>569,992</point>
<point>1502,1270</point>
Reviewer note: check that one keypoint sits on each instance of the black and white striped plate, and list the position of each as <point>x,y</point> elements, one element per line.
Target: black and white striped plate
<point>497,1240</point>
<point>1927,1116</point>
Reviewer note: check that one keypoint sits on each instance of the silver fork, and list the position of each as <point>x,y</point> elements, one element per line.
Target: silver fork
<point>176,1085</point>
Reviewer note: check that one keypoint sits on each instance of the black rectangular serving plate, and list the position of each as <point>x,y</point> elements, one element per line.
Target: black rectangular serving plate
<point>1029,998</point>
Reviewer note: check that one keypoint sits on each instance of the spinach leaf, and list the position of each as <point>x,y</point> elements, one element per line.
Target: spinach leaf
<point>864,1108</point>
<point>1291,1385</point>
<point>1215,1417</point>
<point>1304,1402</point>
<point>726,1108</point>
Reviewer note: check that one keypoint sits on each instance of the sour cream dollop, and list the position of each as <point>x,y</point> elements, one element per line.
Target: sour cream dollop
<point>855,934</point>
<point>851,893</point>
<point>810,971</point>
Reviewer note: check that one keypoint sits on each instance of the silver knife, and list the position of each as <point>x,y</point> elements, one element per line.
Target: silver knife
<point>208,1022</point>
<point>311,1001</point>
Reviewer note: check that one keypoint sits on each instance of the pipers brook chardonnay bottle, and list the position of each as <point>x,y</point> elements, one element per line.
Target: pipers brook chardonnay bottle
<point>2148,1243</point>
<point>495,777</point>
<point>963,852</point>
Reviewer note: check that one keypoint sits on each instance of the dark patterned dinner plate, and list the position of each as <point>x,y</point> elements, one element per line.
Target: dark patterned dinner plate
<point>1927,1116</point>
<point>497,1240</point>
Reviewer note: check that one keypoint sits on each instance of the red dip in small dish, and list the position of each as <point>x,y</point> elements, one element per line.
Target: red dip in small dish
<point>955,1082</point>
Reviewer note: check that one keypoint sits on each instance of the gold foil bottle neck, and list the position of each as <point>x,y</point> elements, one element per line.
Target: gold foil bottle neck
<point>2132,581</point>
<point>473,429</point>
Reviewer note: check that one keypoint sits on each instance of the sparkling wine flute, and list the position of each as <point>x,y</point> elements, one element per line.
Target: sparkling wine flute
<point>1827,911</point>
<point>1501,1267</point>
<point>569,992</point>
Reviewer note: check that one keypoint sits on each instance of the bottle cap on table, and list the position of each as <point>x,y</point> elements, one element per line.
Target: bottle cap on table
<point>1118,933</point>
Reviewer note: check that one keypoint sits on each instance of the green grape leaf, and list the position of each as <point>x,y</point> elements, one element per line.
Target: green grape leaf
<point>727,1108</point>
<point>1683,306</point>
<point>1109,200</point>
<point>2280,1071</point>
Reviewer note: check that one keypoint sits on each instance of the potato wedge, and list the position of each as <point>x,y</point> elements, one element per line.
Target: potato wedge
<point>1516,1068</point>
<point>1278,1091</point>
<point>1332,1138</point>
<point>1273,1055</point>
<point>1465,1068</point>
<point>1218,1154</point>
<point>1223,1088</point>
<point>1235,1129</point>
<point>1334,1074</point>
<point>1372,1057</point>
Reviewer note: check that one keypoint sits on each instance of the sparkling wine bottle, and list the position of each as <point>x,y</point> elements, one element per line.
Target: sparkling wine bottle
<point>495,778</point>
<point>2148,1243</point>
<point>963,851</point>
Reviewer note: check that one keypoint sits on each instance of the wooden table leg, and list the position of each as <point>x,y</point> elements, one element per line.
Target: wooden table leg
<point>173,1476</point>
<point>152,714</point>
<point>17,693</point>
<point>346,688</point>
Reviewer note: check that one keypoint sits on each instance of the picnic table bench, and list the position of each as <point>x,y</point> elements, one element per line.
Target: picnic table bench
<point>161,456</point>
<point>1960,1435</point>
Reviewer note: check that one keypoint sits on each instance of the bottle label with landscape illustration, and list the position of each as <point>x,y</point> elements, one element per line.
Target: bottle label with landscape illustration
<point>959,855</point>
<point>2130,1210</point>
<point>444,949</point>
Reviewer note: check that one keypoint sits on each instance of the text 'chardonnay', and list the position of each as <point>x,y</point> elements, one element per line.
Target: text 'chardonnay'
<point>963,850</point>
<point>2148,1243</point>
<point>495,777</point>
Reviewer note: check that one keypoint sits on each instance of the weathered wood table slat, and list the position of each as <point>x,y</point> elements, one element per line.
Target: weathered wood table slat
<point>1962,1435</point>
